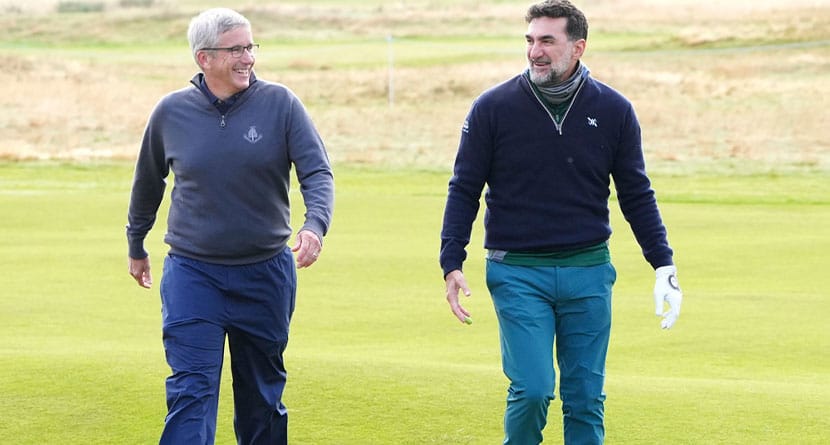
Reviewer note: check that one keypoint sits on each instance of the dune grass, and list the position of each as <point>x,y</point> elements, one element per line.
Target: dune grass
<point>714,84</point>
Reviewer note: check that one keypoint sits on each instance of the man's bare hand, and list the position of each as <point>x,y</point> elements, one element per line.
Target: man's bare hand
<point>140,270</point>
<point>456,283</point>
<point>307,247</point>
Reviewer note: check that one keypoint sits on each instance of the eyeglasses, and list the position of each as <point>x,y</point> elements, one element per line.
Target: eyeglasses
<point>236,51</point>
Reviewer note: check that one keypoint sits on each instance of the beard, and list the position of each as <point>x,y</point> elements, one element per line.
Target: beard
<point>556,74</point>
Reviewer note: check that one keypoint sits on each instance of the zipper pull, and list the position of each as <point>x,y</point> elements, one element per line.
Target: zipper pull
<point>222,121</point>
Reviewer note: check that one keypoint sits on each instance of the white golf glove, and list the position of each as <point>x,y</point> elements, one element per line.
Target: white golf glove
<point>666,290</point>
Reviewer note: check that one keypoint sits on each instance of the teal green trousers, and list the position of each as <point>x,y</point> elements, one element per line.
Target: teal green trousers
<point>537,308</point>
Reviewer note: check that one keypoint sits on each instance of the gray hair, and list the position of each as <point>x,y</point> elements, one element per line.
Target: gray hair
<point>205,28</point>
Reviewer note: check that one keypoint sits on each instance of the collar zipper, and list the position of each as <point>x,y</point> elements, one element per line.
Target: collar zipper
<point>544,107</point>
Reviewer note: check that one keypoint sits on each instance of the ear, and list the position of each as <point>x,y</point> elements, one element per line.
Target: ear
<point>203,58</point>
<point>579,48</point>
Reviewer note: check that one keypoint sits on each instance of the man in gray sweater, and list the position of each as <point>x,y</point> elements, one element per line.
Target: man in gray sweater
<point>230,141</point>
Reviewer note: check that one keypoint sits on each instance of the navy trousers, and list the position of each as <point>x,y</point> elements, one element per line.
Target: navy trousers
<point>251,305</point>
<point>538,307</point>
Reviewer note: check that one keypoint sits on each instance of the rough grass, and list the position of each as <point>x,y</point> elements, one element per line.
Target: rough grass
<point>715,85</point>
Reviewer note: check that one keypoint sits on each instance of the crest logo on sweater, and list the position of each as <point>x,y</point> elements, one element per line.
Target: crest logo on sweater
<point>252,135</point>
<point>592,122</point>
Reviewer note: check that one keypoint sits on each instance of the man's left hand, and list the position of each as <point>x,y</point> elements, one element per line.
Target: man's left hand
<point>667,290</point>
<point>307,247</point>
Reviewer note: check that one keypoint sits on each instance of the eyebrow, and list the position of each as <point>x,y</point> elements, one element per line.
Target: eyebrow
<point>544,37</point>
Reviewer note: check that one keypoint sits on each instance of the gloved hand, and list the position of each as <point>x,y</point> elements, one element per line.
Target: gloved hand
<point>666,290</point>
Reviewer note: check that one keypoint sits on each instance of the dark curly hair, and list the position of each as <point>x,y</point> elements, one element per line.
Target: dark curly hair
<point>577,27</point>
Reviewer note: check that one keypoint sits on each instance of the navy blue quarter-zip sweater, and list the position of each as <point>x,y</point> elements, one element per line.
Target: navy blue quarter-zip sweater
<point>548,185</point>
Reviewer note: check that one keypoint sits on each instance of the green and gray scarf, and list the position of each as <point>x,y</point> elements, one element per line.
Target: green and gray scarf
<point>557,94</point>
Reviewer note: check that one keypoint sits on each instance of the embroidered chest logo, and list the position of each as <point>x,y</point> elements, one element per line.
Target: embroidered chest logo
<point>592,122</point>
<point>252,135</point>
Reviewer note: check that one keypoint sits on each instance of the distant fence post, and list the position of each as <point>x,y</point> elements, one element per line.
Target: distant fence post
<point>391,55</point>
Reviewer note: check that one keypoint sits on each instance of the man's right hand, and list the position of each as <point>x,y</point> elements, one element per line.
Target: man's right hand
<point>457,283</point>
<point>140,270</point>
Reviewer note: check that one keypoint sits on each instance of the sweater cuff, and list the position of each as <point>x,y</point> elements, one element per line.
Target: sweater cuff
<point>447,268</point>
<point>660,262</point>
<point>136,249</point>
<point>315,229</point>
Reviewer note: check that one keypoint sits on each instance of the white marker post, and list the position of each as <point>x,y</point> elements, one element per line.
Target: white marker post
<point>391,54</point>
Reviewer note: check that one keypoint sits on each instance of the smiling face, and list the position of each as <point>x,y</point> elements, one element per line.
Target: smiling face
<point>226,75</point>
<point>551,56</point>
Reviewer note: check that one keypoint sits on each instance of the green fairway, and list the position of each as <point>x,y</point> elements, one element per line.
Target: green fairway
<point>376,357</point>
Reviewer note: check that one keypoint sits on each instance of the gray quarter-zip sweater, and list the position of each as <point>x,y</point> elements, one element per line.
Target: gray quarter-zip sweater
<point>230,198</point>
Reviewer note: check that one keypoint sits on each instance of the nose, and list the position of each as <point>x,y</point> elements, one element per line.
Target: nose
<point>534,50</point>
<point>248,55</point>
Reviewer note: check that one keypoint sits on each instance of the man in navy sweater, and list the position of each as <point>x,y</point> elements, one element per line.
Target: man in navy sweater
<point>231,141</point>
<point>546,143</point>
